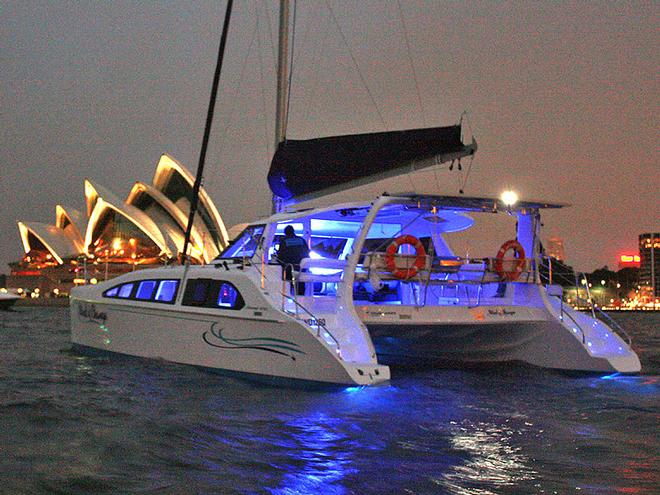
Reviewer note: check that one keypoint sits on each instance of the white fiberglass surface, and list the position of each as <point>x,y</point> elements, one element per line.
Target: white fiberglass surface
<point>599,337</point>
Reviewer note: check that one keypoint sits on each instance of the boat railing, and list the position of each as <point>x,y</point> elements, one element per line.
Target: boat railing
<point>445,267</point>
<point>579,282</point>
<point>454,272</point>
<point>291,284</point>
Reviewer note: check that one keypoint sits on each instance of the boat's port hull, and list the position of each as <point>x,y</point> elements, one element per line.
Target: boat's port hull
<point>282,348</point>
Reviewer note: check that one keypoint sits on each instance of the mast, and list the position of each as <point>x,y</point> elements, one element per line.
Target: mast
<point>282,85</point>
<point>194,201</point>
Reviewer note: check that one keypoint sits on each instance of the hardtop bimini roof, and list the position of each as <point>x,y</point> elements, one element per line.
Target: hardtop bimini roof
<point>471,203</point>
<point>456,203</point>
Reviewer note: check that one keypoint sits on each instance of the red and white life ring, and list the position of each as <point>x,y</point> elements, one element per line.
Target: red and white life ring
<point>420,258</point>
<point>519,258</point>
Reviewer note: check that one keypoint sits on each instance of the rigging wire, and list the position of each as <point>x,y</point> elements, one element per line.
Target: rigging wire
<point>270,31</point>
<point>207,132</point>
<point>357,67</point>
<point>410,60</point>
<point>293,47</point>
<point>464,116</point>
<point>435,175</point>
<point>316,67</point>
<point>241,80</point>
<point>412,184</point>
<point>263,90</point>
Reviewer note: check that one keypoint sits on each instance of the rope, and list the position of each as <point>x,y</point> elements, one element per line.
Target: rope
<point>467,174</point>
<point>410,60</point>
<point>357,67</point>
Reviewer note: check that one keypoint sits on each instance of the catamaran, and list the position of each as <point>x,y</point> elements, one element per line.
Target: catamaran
<point>381,283</point>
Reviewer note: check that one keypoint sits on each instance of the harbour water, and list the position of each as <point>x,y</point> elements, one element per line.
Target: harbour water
<point>72,424</point>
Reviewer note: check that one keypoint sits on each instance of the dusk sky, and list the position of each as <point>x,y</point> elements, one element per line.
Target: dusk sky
<point>562,97</point>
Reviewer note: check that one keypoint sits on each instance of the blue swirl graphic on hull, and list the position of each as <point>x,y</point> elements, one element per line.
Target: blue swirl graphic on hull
<point>214,338</point>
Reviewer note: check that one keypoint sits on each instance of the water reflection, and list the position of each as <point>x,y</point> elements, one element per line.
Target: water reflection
<point>492,460</point>
<point>321,457</point>
<point>638,384</point>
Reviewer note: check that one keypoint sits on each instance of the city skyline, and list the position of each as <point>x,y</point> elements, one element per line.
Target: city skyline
<point>561,98</point>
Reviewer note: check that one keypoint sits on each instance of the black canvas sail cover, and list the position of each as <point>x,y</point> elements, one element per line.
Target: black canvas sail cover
<point>304,169</point>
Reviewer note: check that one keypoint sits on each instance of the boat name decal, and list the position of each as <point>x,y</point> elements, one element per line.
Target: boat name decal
<point>89,312</point>
<point>215,338</point>
<point>315,322</point>
<point>501,312</point>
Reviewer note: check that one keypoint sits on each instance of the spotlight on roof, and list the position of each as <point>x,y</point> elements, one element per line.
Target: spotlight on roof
<point>509,198</point>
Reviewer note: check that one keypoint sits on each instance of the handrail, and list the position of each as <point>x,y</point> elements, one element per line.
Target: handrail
<point>294,299</point>
<point>579,277</point>
<point>577,325</point>
<point>589,298</point>
<point>617,327</point>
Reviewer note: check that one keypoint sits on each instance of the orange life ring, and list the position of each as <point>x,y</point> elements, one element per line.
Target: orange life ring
<point>420,258</point>
<point>519,253</point>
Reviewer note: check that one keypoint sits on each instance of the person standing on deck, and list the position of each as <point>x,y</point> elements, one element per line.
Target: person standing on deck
<point>290,253</point>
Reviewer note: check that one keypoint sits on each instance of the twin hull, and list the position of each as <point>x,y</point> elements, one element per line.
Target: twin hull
<point>469,335</point>
<point>261,339</point>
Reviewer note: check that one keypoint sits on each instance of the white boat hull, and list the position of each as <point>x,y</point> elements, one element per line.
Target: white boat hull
<point>267,342</point>
<point>491,335</point>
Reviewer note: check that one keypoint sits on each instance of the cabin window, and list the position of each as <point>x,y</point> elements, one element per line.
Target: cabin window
<point>167,290</point>
<point>209,293</point>
<point>227,296</point>
<point>111,292</point>
<point>197,292</point>
<point>125,291</point>
<point>245,245</point>
<point>163,291</point>
<point>145,290</point>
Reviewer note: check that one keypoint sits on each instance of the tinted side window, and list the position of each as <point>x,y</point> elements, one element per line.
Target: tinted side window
<point>246,244</point>
<point>227,296</point>
<point>209,293</point>
<point>167,290</point>
<point>111,292</point>
<point>146,289</point>
<point>197,292</point>
<point>125,291</point>
<point>163,291</point>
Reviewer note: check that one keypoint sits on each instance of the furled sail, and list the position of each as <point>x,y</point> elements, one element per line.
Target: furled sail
<point>315,167</point>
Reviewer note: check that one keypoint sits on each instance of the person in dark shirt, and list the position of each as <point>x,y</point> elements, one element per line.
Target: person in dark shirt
<point>291,252</point>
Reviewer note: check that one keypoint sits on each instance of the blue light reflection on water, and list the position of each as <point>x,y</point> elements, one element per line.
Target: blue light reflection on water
<point>78,424</point>
<point>636,384</point>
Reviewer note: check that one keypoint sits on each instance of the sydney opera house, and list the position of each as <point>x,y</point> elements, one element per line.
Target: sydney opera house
<point>112,235</point>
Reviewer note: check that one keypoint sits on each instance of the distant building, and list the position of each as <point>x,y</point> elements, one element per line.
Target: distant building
<point>649,269</point>
<point>114,236</point>
<point>555,248</point>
